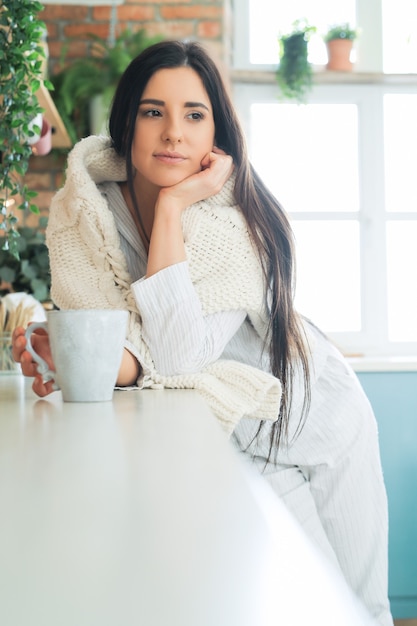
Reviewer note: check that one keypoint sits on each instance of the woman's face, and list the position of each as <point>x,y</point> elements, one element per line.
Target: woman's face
<point>174,128</point>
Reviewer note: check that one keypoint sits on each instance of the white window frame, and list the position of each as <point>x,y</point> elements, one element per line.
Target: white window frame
<point>369,20</point>
<point>366,88</point>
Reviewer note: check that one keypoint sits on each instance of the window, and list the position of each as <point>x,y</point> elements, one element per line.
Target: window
<point>399,36</point>
<point>342,165</point>
<point>263,46</point>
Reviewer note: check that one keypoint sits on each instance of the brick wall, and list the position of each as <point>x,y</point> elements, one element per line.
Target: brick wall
<point>203,20</point>
<point>45,175</point>
<point>197,19</point>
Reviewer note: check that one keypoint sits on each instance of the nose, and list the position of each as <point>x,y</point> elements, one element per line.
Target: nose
<point>172,132</point>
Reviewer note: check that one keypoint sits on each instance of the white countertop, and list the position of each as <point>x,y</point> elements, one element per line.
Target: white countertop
<point>138,512</point>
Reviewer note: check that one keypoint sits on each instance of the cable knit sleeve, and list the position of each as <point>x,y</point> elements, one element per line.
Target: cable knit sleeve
<point>81,267</point>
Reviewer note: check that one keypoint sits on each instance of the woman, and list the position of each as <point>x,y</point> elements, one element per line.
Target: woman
<point>169,220</point>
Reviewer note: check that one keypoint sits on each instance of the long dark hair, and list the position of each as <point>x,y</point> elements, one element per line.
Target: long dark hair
<point>266,219</point>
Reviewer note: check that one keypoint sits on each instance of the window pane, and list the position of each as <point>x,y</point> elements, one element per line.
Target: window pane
<point>399,36</point>
<point>402,280</point>
<point>400,150</point>
<point>328,280</point>
<point>268,18</point>
<point>307,155</point>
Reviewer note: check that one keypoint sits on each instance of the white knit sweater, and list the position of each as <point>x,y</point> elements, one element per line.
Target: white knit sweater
<point>89,271</point>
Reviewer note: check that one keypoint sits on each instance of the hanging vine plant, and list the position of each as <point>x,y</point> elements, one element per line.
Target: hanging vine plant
<point>21,56</point>
<point>294,74</point>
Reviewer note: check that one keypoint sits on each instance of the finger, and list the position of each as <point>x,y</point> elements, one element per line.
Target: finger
<point>218,156</point>
<point>206,160</point>
<point>40,388</point>
<point>29,367</point>
<point>223,164</point>
<point>17,332</point>
<point>18,345</point>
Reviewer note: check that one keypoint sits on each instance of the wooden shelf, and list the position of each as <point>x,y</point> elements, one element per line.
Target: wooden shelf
<point>321,76</point>
<point>60,137</point>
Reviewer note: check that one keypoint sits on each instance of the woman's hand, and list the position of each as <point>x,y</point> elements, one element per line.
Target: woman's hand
<point>40,342</point>
<point>167,243</point>
<point>216,168</point>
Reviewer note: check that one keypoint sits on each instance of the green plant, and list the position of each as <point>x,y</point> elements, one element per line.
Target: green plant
<point>340,31</point>
<point>81,80</point>
<point>31,271</point>
<point>294,73</point>
<point>20,77</point>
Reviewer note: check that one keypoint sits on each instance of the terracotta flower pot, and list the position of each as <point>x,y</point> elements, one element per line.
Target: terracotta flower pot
<point>44,144</point>
<point>338,52</point>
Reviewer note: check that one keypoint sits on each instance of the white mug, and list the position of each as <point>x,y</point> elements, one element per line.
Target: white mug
<point>87,348</point>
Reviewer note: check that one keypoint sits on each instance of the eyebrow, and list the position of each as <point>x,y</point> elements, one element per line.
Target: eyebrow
<point>187,105</point>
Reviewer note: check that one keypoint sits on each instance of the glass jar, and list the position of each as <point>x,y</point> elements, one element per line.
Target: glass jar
<point>7,364</point>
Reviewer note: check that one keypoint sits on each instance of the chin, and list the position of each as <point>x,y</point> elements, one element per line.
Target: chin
<point>171,179</point>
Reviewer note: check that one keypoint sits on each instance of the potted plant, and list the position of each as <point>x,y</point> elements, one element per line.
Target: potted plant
<point>294,73</point>
<point>30,273</point>
<point>21,55</point>
<point>339,42</point>
<point>83,80</point>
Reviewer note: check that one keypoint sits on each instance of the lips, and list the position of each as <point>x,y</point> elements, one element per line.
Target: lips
<point>170,157</point>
